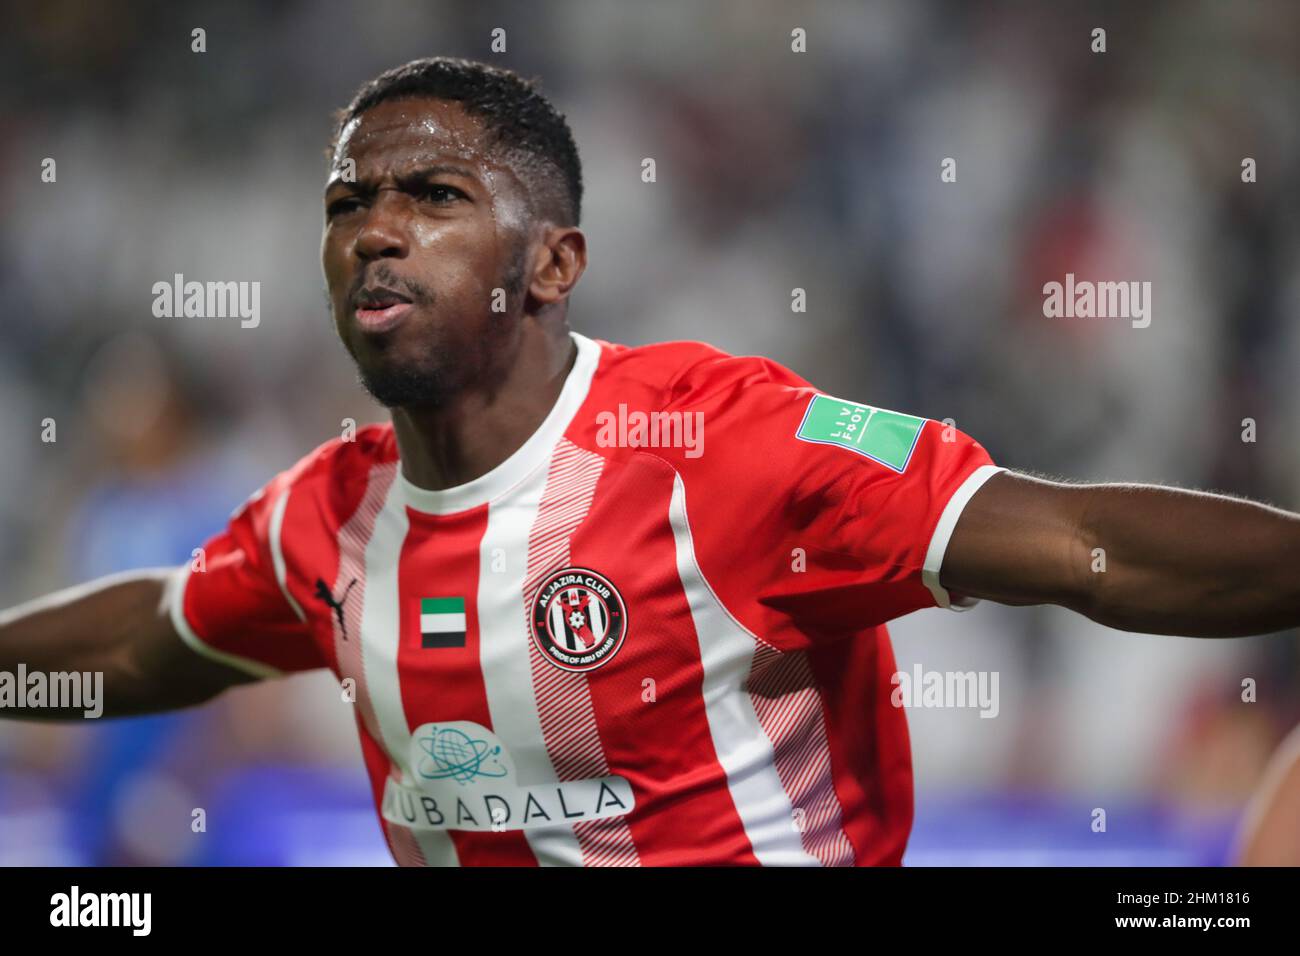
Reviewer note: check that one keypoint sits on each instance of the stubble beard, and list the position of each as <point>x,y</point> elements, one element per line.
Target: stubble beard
<point>440,374</point>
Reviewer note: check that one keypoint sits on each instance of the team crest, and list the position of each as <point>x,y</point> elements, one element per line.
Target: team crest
<point>578,619</point>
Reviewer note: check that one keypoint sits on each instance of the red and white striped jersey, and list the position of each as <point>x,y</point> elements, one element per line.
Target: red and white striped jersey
<point>654,635</point>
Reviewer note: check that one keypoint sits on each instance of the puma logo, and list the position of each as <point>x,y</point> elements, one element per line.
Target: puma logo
<point>323,593</point>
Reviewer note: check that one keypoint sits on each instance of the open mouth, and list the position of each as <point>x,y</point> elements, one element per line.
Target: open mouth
<point>379,309</point>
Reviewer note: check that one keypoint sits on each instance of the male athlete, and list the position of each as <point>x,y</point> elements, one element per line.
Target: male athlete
<point>601,605</point>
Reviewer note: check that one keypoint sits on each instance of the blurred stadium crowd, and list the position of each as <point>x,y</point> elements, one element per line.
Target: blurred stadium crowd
<point>775,170</point>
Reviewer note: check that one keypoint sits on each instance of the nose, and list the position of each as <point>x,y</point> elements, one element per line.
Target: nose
<point>384,233</point>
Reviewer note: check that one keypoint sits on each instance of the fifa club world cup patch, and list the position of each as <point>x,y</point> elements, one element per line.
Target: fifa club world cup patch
<point>579,619</point>
<point>876,433</point>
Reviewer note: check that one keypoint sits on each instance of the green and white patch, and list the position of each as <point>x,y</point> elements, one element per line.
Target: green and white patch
<point>442,622</point>
<point>877,433</point>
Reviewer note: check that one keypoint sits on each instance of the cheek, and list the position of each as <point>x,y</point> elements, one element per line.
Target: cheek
<point>464,257</point>
<point>334,262</point>
<point>444,238</point>
<point>426,235</point>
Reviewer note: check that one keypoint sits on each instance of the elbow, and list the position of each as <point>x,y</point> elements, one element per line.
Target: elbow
<point>1087,563</point>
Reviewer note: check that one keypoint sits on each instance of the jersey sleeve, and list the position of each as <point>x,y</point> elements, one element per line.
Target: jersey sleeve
<point>232,604</point>
<point>828,514</point>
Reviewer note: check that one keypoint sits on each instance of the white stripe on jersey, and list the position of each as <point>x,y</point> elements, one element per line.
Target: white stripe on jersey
<point>277,552</point>
<point>558,627</point>
<point>503,636</point>
<point>943,534</point>
<point>380,636</point>
<point>744,750</point>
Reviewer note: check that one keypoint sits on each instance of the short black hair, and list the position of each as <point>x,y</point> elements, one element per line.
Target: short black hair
<point>515,113</point>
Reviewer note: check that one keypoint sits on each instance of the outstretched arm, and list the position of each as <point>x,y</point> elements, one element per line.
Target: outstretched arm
<point>119,626</point>
<point>1175,562</point>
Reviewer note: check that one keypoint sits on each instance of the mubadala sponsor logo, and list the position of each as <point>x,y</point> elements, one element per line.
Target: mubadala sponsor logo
<point>509,808</point>
<point>1101,300</point>
<point>57,690</point>
<point>133,910</point>
<point>462,778</point>
<point>624,429</point>
<point>208,300</point>
<point>925,689</point>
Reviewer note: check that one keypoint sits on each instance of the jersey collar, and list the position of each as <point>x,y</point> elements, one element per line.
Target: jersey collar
<point>531,455</point>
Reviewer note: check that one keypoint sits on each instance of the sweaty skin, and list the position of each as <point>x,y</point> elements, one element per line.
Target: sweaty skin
<point>438,216</point>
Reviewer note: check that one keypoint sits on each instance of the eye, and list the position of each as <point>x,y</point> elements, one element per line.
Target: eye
<point>342,206</point>
<point>441,193</point>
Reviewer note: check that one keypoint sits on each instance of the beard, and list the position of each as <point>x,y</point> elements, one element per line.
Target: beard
<point>426,383</point>
<point>433,378</point>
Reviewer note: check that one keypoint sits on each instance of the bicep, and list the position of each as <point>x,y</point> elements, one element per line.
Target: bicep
<point>158,668</point>
<point>1019,541</point>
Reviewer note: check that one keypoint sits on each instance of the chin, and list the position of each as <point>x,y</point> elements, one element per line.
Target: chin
<point>398,385</point>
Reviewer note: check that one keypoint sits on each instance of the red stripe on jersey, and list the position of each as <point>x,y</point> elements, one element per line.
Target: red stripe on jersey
<point>440,558</point>
<point>680,786</point>
<point>869,744</point>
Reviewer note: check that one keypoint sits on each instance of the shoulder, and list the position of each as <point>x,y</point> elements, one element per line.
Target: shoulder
<point>709,415</point>
<point>333,468</point>
<point>685,373</point>
<point>344,459</point>
<point>326,484</point>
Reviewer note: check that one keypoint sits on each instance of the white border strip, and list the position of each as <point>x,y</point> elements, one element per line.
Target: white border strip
<point>176,604</point>
<point>943,532</point>
<point>277,553</point>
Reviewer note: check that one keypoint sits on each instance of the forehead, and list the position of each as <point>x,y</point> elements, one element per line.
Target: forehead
<point>416,129</point>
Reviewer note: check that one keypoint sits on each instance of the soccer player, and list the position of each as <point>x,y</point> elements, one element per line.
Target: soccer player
<point>601,605</point>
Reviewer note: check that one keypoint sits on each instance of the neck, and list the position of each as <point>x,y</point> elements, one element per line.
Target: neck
<point>481,427</point>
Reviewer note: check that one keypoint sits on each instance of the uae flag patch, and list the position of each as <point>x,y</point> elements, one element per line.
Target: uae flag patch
<point>442,622</point>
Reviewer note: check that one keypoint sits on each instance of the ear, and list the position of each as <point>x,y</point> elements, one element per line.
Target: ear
<point>558,264</point>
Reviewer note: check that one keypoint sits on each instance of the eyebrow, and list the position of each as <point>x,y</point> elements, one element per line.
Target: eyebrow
<point>418,175</point>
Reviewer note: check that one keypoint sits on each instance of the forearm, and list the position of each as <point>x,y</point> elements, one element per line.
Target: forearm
<point>1162,560</point>
<point>115,630</point>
